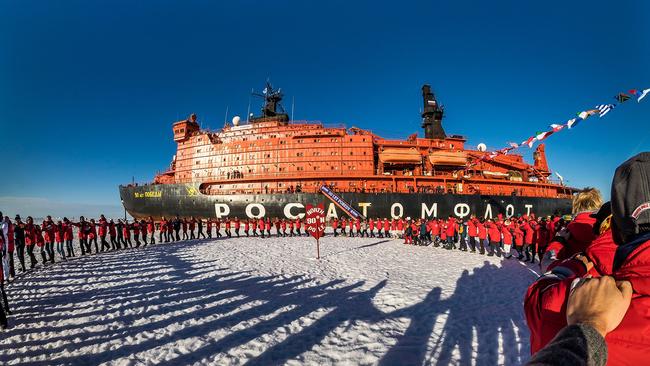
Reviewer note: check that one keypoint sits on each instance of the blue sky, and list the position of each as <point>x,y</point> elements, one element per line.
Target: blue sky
<point>89,89</point>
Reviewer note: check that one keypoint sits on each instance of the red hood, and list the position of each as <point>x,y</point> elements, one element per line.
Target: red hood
<point>636,269</point>
<point>581,228</point>
<point>601,252</point>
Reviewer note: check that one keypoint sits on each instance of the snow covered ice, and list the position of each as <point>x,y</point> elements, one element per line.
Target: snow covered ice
<point>268,301</point>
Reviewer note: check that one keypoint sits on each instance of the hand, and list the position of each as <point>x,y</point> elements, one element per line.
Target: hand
<point>599,302</point>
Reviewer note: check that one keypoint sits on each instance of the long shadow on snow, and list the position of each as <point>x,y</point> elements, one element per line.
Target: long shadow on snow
<point>481,303</point>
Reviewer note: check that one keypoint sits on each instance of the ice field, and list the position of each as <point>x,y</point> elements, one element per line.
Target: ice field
<point>268,301</point>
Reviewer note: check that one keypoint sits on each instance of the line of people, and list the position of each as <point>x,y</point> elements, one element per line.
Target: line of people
<point>55,240</point>
<point>527,234</point>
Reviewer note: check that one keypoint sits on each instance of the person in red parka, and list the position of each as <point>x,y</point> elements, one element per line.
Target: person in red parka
<point>10,245</point>
<point>518,239</point>
<point>472,233</point>
<point>247,227</point>
<point>112,234</point>
<point>507,238</point>
<point>451,232</point>
<point>298,225</point>
<point>162,235</point>
<point>151,229</point>
<point>541,236</point>
<point>58,237</point>
<point>217,227</point>
<point>335,226</point>
<point>400,228</point>
<point>622,252</point>
<point>92,236</point>
<point>68,237</point>
<point>260,226</point>
<point>237,226</point>
<point>579,232</point>
<point>408,233</point>
<point>103,230</point>
<point>40,242</point>
<point>283,227</point>
<point>126,233</point>
<point>386,225</point>
<point>184,225</point>
<point>192,226</point>
<point>4,243</point>
<point>494,235</point>
<point>483,243</point>
<point>436,231</point>
<point>49,229</point>
<point>208,227</point>
<point>443,233</point>
<point>136,232</point>
<point>277,224</point>
<point>529,227</point>
<point>30,240</point>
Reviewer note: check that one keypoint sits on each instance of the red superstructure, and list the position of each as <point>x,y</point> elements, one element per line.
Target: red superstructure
<point>271,154</point>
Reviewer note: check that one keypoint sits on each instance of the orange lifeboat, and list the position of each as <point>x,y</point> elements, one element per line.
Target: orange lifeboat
<point>445,157</point>
<point>400,156</point>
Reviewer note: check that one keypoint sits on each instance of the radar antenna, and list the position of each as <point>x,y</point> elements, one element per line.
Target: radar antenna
<point>272,99</point>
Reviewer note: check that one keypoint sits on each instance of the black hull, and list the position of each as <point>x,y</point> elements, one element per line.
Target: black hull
<point>185,200</point>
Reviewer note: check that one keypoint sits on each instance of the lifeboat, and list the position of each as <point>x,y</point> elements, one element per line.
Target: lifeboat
<point>444,157</point>
<point>400,156</point>
<point>491,174</point>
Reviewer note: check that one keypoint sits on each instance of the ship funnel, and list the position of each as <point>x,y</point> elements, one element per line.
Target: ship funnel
<point>432,114</point>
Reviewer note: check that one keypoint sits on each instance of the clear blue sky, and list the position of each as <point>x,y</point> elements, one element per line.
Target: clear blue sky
<point>89,89</point>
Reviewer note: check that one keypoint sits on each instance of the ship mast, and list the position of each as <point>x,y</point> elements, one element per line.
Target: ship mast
<point>432,115</point>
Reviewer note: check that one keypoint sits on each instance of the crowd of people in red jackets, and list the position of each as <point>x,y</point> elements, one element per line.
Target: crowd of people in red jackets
<point>527,234</point>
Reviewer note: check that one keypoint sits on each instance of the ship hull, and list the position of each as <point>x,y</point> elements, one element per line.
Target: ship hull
<point>186,200</point>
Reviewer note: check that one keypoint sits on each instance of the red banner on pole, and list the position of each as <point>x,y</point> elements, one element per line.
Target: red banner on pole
<point>315,220</point>
<point>315,223</point>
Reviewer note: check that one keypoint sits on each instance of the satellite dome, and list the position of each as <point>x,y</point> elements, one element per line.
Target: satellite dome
<point>235,120</point>
<point>481,147</point>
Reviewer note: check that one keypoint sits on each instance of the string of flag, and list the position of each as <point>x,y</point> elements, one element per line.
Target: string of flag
<point>600,110</point>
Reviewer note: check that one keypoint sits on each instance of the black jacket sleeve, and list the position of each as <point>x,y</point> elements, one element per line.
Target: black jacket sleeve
<point>574,345</point>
